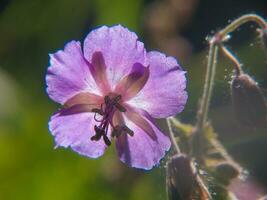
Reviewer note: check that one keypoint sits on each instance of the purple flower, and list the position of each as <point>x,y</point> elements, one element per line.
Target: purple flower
<point>112,90</point>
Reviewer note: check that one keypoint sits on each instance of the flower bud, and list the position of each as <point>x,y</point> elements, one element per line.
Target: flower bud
<point>248,101</point>
<point>225,172</point>
<point>180,178</point>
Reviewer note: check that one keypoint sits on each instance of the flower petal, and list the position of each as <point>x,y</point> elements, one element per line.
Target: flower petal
<point>139,121</point>
<point>98,70</point>
<point>76,109</point>
<point>84,98</point>
<point>140,150</point>
<point>75,131</point>
<point>131,84</point>
<point>164,94</point>
<point>69,74</point>
<point>120,50</point>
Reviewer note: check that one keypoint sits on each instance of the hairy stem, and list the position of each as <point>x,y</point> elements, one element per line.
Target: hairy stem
<point>198,139</point>
<point>210,74</point>
<point>227,53</point>
<point>242,20</point>
<point>174,142</point>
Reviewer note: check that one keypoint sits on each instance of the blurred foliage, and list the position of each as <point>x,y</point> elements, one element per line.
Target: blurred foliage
<point>29,166</point>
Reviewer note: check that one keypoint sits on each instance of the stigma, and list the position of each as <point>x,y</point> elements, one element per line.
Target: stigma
<point>112,103</point>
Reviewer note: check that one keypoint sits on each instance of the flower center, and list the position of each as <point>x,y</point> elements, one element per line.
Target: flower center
<point>106,111</point>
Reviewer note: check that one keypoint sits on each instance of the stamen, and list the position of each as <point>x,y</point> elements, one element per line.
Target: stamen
<point>98,120</point>
<point>107,110</point>
<point>99,133</point>
<point>98,111</point>
<point>118,130</point>
<point>106,140</point>
<point>120,107</point>
<point>127,130</point>
<point>106,99</point>
<point>117,98</point>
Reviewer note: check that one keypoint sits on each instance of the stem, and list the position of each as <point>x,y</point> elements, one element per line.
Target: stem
<point>204,192</point>
<point>219,147</point>
<point>198,139</point>
<point>212,60</point>
<point>173,137</point>
<point>210,73</point>
<point>230,56</point>
<point>240,21</point>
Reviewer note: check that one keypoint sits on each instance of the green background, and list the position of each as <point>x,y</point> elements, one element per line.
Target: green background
<point>30,167</point>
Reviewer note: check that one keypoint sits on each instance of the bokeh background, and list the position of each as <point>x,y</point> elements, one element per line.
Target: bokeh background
<point>30,167</point>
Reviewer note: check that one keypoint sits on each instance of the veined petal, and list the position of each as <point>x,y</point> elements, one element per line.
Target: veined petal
<point>117,119</point>
<point>84,98</point>
<point>76,109</point>
<point>164,93</point>
<point>75,130</point>
<point>69,74</point>
<point>140,121</point>
<point>131,84</point>
<point>140,150</point>
<point>120,50</point>
<point>98,70</point>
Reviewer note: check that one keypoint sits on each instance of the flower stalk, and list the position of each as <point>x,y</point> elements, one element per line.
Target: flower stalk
<point>198,138</point>
<point>173,140</point>
<point>228,54</point>
<point>242,20</point>
<point>215,43</point>
<point>209,80</point>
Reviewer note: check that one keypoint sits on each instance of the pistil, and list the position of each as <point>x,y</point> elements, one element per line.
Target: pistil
<point>106,111</point>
